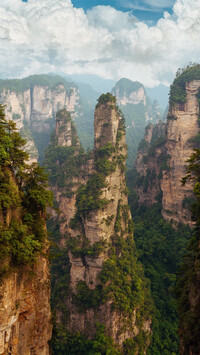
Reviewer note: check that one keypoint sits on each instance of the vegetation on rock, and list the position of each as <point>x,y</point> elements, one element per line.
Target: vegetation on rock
<point>120,282</point>
<point>187,288</point>
<point>106,98</point>
<point>21,85</point>
<point>23,200</point>
<point>160,250</point>
<point>178,88</point>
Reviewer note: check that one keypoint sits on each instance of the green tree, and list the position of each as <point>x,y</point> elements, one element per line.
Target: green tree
<point>23,200</point>
<point>187,288</point>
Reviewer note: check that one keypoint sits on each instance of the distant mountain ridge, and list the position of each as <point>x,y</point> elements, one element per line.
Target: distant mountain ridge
<point>138,111</point>
<point>32,103</point>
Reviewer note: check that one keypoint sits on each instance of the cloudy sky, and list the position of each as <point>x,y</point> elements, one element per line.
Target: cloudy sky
<point>144,40</point>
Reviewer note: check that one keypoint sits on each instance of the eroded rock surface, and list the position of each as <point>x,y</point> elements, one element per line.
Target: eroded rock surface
<point>25,314</point>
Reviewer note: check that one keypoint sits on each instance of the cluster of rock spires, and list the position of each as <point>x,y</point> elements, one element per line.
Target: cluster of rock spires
<point>32,104</point>
<point>94,217</point>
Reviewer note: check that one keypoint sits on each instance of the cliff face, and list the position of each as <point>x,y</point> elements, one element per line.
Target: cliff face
<point>25,326</point>
<point>175,144</point>
<point>96,229</point>
<point>138,111</point>
<point>150,163</point>
<point>182,127</point>
<point>25,315</point>
<point>33,109</point>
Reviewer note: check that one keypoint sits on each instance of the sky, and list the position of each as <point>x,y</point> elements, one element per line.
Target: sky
<point>144,40</point>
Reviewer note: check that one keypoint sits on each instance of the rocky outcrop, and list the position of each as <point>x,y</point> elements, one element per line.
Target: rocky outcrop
<point>129,92</point>
<point>162,157</point>
<point>32,104</point>
<point>182,127</point>
<point>150,163</point>
<point>25,315</point>
<point>96,229</point>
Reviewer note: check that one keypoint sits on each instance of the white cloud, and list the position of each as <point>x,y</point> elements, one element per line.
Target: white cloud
<point>52,35</point>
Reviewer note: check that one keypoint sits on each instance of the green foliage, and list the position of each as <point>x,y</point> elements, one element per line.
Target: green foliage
<point>105,98</point>
<point>107,158</point>
<point>161,249</point>
<point>106,151</point>
<point>178,88</point>
<point>187,288</point>
<point>122,277</point>
<point>20,85</point>
<point>63,163</point>
<point>65,342</point>
<point>80,246</point>
<point>86,298</point>
<point>23,200</point>
<point>18,243</point>
<point>187,291</point>
<point>136,345</point>
<point>155,144</point>
<point>105,166</point>
<point>88,196</point>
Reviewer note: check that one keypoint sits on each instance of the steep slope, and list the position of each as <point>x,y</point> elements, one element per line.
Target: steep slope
<point>138,112</point>
<point>187,288</point>
<point>177,145</point>
<point>182,127</point>
<point>106,283</point>
<point>25,315</point>
<point>32,103</point>
<point>150,163</point>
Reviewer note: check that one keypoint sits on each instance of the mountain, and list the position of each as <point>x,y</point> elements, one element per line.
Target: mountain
<point>32,103</point>
<point>138,112</point>
<point>106,294</point>
<point>96,82</point>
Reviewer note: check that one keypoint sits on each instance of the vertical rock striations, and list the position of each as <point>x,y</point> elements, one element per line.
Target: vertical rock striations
<point>172,150</point>
<point>182,127</point>
<point>25,315</point>
<point>150,163</point>
<point>106,283</point>
<point>32,104</point>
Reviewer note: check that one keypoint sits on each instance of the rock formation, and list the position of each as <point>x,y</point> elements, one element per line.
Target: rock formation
<point>150,163</point>
<point>182,127</point>
<point>138,112</point>
<point>32,104</point>
<point>25,315</point>
<point>171,151</point>
<point>96,230</point>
